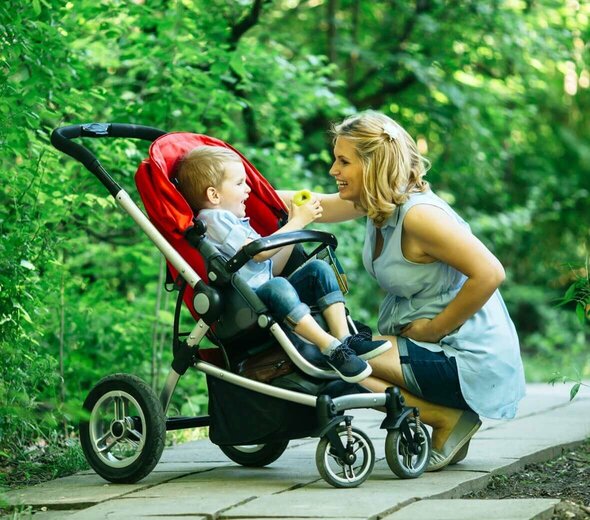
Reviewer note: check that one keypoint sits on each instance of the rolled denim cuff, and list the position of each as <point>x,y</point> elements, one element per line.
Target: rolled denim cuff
<point>330,299</point>
<point>296,315</point>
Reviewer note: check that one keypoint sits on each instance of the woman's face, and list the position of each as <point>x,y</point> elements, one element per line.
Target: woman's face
<point>347,170</point>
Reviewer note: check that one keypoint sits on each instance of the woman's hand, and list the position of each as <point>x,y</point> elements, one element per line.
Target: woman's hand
<point>334,209</point>
<point>306,214</point>
<point>421,330</point>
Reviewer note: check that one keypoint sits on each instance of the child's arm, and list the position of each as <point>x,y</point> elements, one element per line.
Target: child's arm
<point>299,217</point>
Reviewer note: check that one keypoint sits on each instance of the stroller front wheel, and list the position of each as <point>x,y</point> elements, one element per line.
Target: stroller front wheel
<point>346,473</point>
<point>255,455</point>
<point>408,458</point>
<point>124,437</point>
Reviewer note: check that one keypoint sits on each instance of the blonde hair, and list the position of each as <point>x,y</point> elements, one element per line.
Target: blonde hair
<point>201,168</point>
<point>392,166</point>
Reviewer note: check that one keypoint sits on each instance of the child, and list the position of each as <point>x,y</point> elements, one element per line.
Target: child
<point>213,181</point>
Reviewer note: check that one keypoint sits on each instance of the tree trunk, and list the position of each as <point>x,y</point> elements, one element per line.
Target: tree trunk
<point>331,18</point>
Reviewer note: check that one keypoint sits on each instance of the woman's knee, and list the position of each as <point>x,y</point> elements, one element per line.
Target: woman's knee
<point>387,366</point>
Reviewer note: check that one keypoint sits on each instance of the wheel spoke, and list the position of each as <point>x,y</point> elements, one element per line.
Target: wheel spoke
<point>138,436</point>
<point>408,461</point>
<point>359,446</point>
<point>102,439</point>
<point>105,449</point>
<point>349,473</point>
<point>119,408</point>
<point>134,444</point>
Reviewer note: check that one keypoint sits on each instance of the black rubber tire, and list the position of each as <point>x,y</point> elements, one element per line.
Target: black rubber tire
<point>404,464</point>
<point>322,456</point>
<point>256,455</point>
<point>149,428</point>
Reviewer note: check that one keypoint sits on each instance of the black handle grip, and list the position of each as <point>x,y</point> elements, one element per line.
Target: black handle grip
<point>274,241</point>
<point>61,138</point>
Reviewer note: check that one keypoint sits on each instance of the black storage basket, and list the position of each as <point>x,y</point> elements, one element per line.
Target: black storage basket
<point>241,416</point>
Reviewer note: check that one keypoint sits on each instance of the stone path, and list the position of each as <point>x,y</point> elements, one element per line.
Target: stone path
<point>196,481</point>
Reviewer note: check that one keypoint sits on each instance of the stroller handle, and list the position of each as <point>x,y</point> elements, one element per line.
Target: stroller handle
<point>275,241</point>
<point>61,138</point>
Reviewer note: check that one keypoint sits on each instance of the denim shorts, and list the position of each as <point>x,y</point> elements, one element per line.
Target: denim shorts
<point>430,375</point>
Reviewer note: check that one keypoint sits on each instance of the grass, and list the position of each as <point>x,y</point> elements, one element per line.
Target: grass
<point>42,462</point>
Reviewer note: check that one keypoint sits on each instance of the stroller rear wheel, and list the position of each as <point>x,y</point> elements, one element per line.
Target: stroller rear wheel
<point>408,457</point>
<point>124,436</point>
<point>255,455</point>
<point>352,472</point>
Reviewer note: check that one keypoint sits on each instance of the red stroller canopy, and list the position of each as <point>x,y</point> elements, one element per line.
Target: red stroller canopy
<point>170,212</point>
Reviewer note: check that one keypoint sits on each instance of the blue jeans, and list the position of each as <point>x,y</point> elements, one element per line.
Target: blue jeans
<point>288,300</point>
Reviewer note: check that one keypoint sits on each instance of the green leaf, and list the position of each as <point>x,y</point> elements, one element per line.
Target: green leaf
<point>570,293</point>
<point>574,390</point>
<point>237,64</point>
<point>581,313</point>
<point>37,7</point>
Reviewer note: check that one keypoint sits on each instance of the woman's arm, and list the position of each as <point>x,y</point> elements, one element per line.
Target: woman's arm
<point>334,208</point>
<point>433,235</point>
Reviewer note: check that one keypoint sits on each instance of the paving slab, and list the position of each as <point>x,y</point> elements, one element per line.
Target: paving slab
<point>80,490</point>
<point>318,498</point>
<point>508,509</point>
<point>197,481</point>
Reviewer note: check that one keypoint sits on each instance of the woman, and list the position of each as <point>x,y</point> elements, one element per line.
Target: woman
<point>455,350</point>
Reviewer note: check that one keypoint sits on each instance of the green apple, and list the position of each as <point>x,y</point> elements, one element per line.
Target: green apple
<point>302,197</point>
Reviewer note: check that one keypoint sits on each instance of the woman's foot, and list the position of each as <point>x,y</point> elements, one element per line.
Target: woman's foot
<point>459,436</point>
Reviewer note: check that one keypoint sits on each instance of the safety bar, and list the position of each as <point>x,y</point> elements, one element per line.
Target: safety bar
<point>275,241</point>
<point>62,137</point>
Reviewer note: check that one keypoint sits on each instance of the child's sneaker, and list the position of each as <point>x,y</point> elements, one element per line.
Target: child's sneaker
<point>365,348</point>
<point>349,366</point>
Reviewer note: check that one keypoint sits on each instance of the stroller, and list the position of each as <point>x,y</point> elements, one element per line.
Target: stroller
<point>251,421</point>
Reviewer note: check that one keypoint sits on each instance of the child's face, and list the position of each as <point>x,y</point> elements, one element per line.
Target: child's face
<point>234,191</point>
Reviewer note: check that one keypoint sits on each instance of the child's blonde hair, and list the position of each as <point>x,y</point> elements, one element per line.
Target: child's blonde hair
<point>392,166</point>
<point>201,168</point>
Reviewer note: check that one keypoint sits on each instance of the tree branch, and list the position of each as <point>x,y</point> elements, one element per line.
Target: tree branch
<point>389,89</point>
<point>422,6</point>
<point>246,23</point>
<point>238,30</point>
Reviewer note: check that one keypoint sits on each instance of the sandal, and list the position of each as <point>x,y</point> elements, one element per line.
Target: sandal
<point>461,454</point>
<point>465,428</point>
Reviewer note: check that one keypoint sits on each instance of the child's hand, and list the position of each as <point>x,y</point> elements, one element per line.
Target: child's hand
<point>307,213</point>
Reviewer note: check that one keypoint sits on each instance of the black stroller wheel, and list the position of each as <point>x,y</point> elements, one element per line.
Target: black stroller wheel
<point>404,460</point>
<point>339,473</point>
<point>255,455</point>
<point>124,436</point>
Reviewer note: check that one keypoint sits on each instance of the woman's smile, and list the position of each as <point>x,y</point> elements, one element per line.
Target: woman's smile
<point>347,170</point>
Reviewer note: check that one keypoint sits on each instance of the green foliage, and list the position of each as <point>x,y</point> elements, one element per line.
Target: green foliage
<point>495,92</point>
<point>579,293</point>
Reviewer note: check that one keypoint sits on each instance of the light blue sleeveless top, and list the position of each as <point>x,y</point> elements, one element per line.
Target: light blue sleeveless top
<point>485,347</point>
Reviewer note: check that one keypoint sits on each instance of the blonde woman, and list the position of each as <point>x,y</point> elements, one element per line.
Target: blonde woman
<point>455,350</point>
